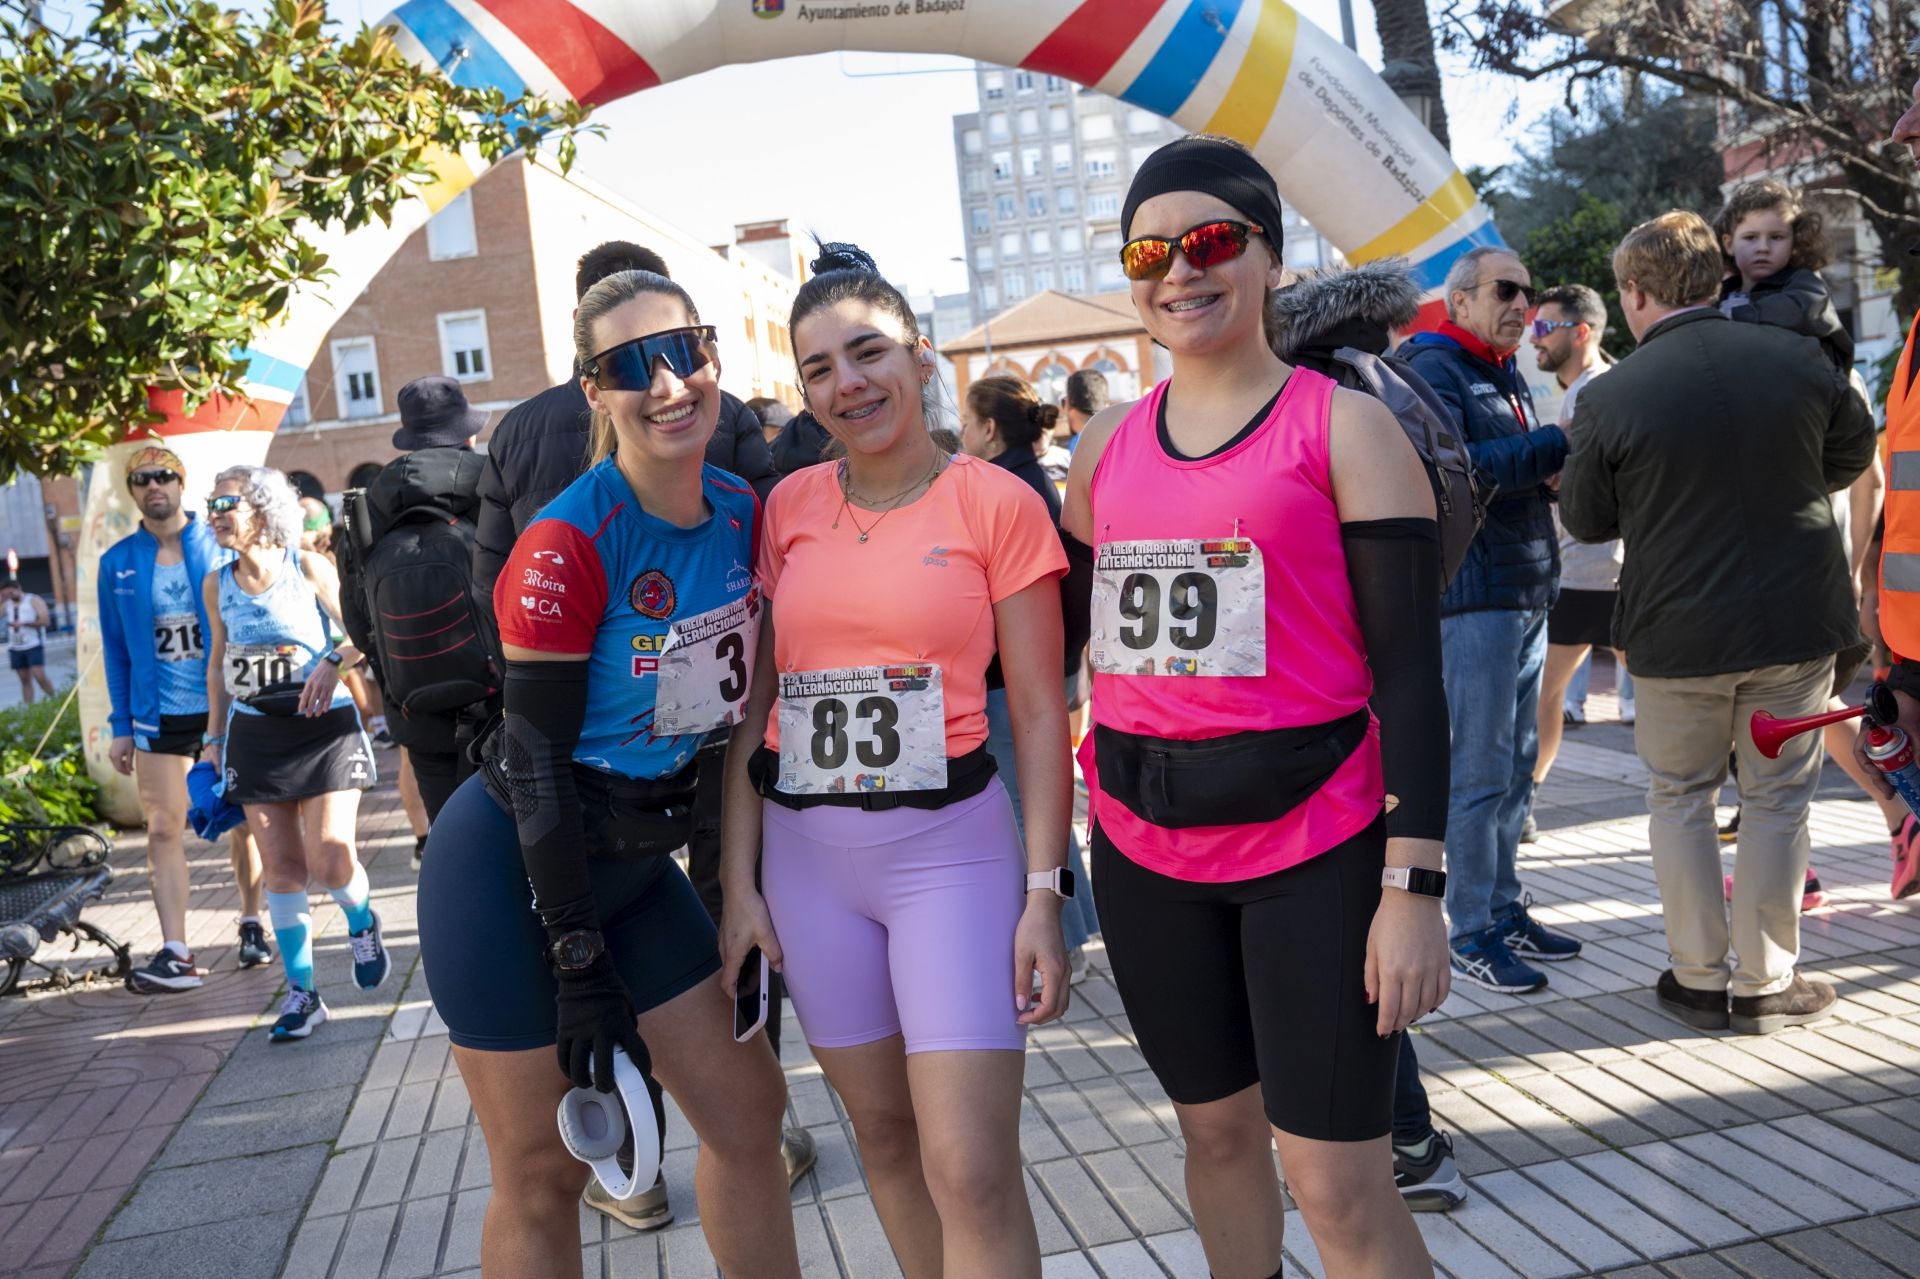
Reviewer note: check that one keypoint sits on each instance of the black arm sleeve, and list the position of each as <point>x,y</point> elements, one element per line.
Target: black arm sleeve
<point>1394,566</point>
<point>1076,598</point>
<point>546,703</point>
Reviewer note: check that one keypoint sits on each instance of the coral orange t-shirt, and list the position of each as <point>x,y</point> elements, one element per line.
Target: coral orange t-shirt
<point>920,589</point>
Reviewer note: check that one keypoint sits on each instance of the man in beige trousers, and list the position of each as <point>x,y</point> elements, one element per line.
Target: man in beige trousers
<point>1712,450</point>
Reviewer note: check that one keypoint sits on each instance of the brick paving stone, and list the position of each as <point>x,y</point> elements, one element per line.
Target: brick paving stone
<point>1616,1212</point>
<point>1783,1184</point>
<point>1459,1252</point>
<point>1679,1208</point>
<point>1577,1235</point>
<point>1868,1192</point>
<point>1827,1250</point>
<point>1888,1243</point>
<point>1758,1213</point>
<point>1507,1237</point>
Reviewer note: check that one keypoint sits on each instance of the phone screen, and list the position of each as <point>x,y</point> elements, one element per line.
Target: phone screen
<point>750,997</point>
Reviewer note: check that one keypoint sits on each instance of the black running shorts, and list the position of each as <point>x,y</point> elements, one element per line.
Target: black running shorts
<point>1257,981</point>
<point>485,949</point>
<point>1582,617</point>
<point>276,759</point>
<point>178,735</point>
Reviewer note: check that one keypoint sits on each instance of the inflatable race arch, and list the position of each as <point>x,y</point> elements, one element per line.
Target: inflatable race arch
<point>1343,149</point>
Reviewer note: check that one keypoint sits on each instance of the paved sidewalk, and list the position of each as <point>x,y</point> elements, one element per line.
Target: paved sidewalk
<point>1598,1135</point>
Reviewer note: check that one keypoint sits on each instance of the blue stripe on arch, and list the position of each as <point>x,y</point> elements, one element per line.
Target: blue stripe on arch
<point>268,371</point>
<point>1175,69</point>
<point>442,31</point>
<point>1432,273</point>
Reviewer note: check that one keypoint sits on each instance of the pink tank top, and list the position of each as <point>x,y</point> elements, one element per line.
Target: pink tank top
<point>1274,488</point>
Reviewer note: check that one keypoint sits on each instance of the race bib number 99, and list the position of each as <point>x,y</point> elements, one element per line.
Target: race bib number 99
<point>862,728</point>
<point>705,669</point>
<point>1186,607</point>
<point>250,668</point>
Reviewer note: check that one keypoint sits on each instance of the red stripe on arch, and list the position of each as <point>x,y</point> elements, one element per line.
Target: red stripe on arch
<point>594,64</point>
<point>1091,40</point>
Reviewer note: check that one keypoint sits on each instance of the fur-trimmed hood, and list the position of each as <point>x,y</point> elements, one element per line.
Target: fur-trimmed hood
<point>1357,306</point>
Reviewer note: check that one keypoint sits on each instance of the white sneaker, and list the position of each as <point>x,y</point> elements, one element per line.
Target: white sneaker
<point>1078,965</point>
<point>1626,710</point>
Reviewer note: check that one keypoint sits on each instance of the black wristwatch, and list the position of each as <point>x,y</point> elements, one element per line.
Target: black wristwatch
<point>1416,880</point>
<point>571,952</point>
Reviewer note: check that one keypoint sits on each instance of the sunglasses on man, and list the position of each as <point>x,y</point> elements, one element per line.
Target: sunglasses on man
<point>1543,329</point>
<point>629,366</point>
<point>1148,257</point>
<point>145,479</point>
<point>1508,290</point>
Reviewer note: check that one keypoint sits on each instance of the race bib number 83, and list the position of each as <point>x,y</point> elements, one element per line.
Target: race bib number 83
<point>862,728</point>
<point>1184,607</point>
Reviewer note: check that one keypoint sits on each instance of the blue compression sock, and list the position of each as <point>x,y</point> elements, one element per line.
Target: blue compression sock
<point>353,900</point>
<point>293,929</point>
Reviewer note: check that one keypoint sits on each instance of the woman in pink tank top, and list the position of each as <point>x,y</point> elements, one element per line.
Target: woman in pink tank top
<point>1267,767</point>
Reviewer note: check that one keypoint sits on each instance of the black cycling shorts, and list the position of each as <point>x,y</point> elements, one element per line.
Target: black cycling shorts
<point>485,949</point>
<point>1257,981</point>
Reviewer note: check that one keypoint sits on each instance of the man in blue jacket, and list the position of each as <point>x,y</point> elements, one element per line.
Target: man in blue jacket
<point>153,624</point>
<point>1493,619</point>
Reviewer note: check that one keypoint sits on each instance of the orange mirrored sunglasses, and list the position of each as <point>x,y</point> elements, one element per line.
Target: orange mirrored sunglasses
<point>1210,243</point>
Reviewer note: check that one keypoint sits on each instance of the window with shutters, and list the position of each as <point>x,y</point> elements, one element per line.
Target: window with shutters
<point>463,346</point>
<point>356,377</point>
<point>450,231</point>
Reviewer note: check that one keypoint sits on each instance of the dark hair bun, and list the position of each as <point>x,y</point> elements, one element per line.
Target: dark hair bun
<point>1044,416</point>
<point>835,255</point>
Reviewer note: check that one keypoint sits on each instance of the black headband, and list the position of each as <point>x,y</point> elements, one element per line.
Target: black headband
<point>1217,168</point>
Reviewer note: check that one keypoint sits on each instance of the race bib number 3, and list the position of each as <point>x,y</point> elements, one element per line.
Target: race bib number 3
<point>863,728</point>
<point>705,669</point>
<point>1188,607</point>
<point>249,668</point>
<point>177,638</point>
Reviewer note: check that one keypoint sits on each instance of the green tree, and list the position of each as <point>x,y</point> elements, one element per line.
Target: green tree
<point>163,170</point>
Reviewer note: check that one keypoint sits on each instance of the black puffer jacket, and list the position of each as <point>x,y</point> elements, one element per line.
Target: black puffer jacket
<point>1796,299</point>
<point>801,443</point>
<point>540,447</point>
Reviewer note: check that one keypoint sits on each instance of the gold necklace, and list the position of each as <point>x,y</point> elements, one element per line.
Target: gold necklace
<point>892,503</point>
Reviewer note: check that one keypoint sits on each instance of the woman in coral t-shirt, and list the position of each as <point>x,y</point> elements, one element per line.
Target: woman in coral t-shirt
<point>899,900</point>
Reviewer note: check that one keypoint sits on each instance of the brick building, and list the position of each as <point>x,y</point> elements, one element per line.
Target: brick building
<point>484,293</point>
<point>1051,335</point>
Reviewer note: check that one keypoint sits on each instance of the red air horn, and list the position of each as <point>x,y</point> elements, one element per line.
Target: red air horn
<point>1770,733</point>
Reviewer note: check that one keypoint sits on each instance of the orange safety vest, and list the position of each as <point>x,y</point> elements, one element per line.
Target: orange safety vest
<point>1900,549</point>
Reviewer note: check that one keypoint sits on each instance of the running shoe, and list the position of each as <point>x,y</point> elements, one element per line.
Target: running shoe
<point>1078,965</point>
<point>419,850</point>
<point>648,1210</point>
<point>1483,959</point>
<point>1626,710</point>
<point>1812,897</point>
<point>254,947</point>
<point>382,738</point>
<point>798,1153</point>
<point>1731,831</point>
<point>165,974</point>
<point>1573,716</point>
<point>1426,1175</point>
<point>1527,938</point>
<point>371,964</point>
<point>299,1014</point>
<point>1906,858</point>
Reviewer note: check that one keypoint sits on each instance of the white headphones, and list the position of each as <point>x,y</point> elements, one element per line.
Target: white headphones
<point>594,1125</point>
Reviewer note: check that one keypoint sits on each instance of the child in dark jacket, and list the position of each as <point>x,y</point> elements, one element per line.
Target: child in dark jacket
<point>1775,247</point>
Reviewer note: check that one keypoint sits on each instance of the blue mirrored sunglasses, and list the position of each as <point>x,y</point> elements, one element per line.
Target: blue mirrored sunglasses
<point>629,366</point>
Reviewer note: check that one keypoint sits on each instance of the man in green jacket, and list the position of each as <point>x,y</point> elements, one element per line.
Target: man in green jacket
<point>1712,450</point>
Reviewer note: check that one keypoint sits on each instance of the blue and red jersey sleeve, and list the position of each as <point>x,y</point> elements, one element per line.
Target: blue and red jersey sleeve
<point>553,592</point>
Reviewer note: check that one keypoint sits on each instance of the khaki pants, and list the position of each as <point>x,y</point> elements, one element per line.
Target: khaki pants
<point>1683,733</point>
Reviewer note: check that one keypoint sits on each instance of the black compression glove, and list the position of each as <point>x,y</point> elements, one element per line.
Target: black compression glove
<point>595,1015</point>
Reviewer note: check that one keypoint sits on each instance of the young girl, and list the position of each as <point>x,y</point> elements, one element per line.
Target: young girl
<point>899,901</point>
<point>1775,247</point>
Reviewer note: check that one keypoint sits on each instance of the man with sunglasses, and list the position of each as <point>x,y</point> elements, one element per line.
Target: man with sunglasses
<point>1493,619</point>
<point>153,625</point>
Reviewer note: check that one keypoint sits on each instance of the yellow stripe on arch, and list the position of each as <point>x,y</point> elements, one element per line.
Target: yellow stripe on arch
<point>451,175</point>
<point>1438,212</point>
<point>1256,87</point>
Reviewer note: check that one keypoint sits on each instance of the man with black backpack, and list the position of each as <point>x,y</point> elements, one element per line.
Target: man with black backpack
<point>409,604</point>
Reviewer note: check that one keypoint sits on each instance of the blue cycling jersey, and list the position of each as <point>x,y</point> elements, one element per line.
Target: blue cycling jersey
<point>596,574</point>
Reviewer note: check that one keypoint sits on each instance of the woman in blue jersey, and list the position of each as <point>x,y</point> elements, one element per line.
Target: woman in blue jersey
<point>550,911</point>
<point>295,756</point>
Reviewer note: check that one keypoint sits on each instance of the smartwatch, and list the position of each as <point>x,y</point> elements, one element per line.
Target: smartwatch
<point>1416,880</point>
<point>1058,881</point>
<point>574,951</point>
<point>335,656</point>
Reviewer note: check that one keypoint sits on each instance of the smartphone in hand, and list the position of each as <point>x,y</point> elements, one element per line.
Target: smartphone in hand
<point>750,996</point>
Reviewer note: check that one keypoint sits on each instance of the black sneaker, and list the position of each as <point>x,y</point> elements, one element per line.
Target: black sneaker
<point>254,947</point>
<point>419,850</point>
<point>165,974</point>
<point>371,963</point>
<point>299,1014</point>
<point>1426,1175</point>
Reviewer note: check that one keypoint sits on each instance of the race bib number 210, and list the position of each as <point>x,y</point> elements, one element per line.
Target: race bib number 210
<point>1179,607</point>
<point>862,728</point>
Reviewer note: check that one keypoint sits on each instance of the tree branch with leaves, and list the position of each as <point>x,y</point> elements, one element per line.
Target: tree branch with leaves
<point>164,169</point>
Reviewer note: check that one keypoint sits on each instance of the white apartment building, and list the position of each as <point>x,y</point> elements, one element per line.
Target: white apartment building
<point>1044,165</point>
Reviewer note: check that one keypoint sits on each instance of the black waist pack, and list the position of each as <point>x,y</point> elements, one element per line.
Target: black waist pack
<point>622,817</point>
<point>279,700</point>
<point>967,776</point>
<point>1236,780</point>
